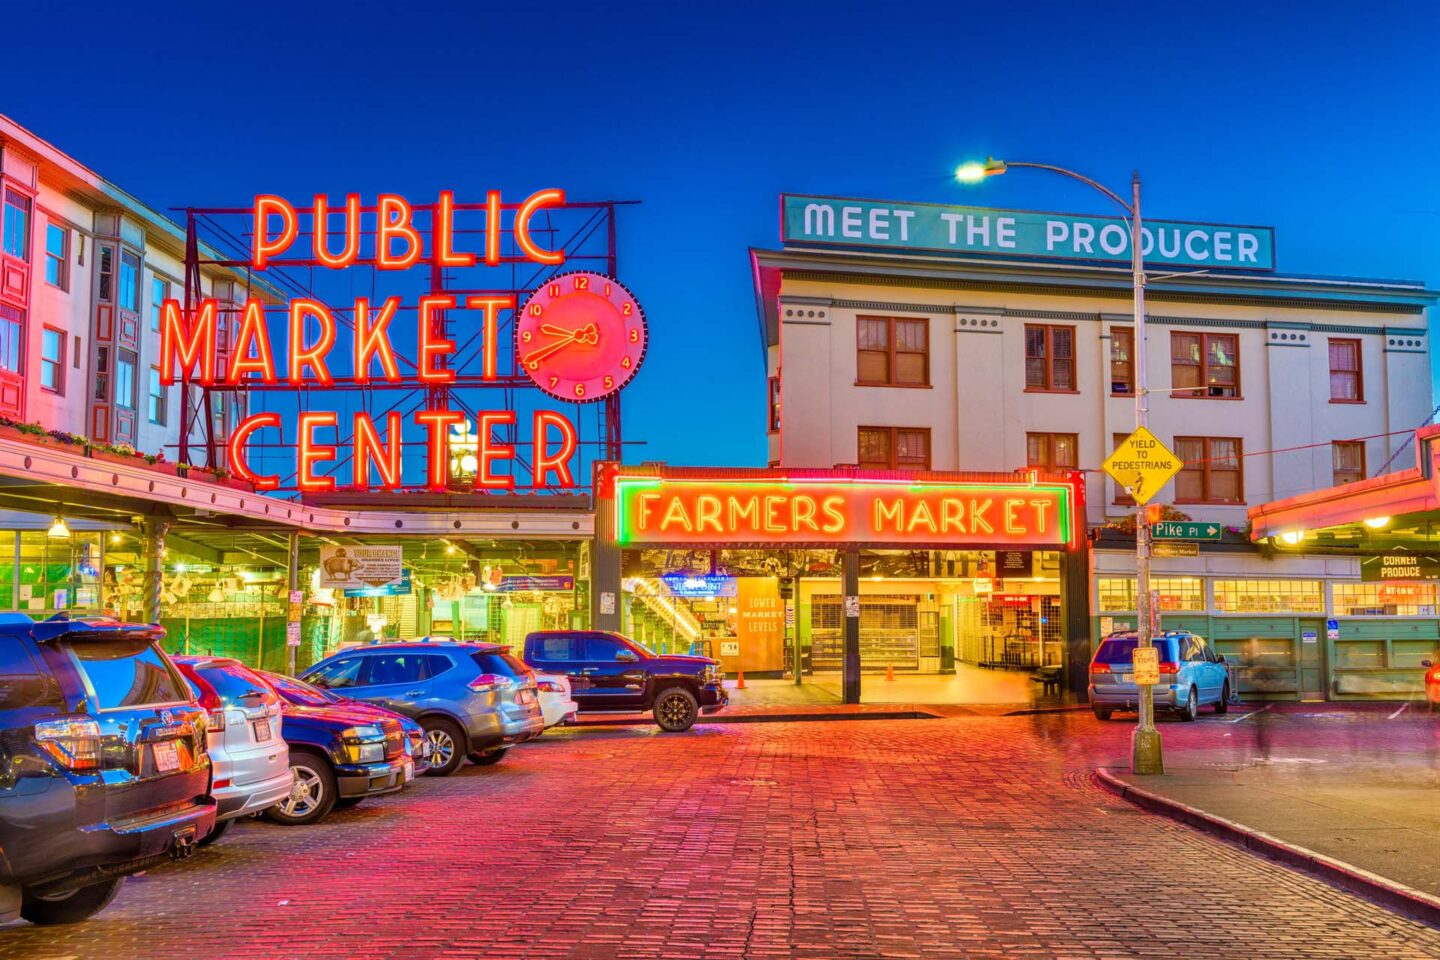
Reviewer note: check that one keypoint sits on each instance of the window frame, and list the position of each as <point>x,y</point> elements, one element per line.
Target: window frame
<point>1359,371</point>
<point>126,358</point>
<point>894,438</point>
<point>1049,359</point>
<point>155,400</point>
<point>26,207</point>
<point>772,410</point>
<point>1127,334</point>
<point>125,258</point>
<point>1121,499</point>
<point>62,271</point>
<point>1206,467</point>
<point>62,338</point>
<point>1335,471</point>
<point>892,352</point>
<point>1202,392</point>
<point>1050,440</point>
<point>156,304</point>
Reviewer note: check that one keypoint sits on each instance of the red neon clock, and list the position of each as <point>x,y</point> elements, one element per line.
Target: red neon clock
<point>580,337</point>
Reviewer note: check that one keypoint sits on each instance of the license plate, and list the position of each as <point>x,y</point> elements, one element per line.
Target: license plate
<point>262,730</point>
<point>409,769</point>
<point>167,756</point>
<point>1123,677</point>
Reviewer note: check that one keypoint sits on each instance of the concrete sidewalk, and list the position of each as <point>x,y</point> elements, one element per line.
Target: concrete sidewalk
<point>1367,795</point>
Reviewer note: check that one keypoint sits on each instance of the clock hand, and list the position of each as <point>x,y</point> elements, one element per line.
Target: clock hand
<point>543,352</point>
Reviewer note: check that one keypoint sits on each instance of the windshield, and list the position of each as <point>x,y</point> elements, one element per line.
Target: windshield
<point>300,693</point>
<point>127,672</point>
<point>1122,649</point>
<point>638,645</point>
<point>235,685</point>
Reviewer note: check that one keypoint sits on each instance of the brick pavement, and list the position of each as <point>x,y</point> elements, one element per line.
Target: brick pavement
<point>973,837</point>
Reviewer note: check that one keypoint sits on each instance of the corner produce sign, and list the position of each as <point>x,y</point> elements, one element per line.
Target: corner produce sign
<point>797,511</point>
<point>579,337</point>
<point>841,221</point>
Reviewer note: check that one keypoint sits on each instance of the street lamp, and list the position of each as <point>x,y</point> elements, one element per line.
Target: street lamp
<point>1145,753</point>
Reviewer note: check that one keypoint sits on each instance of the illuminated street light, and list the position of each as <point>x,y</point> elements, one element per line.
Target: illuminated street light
<point>974,171</point>
<point>1377,523</point>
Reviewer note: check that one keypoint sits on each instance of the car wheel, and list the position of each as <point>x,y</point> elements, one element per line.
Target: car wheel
<point>71,906</point>
<point>1223,705</point>
<point>676,709</point>
<point>1102,713</point>
<point>222,827</point>
<point>345,803</point>
<point>1192,706</point>
<point>312,795</point>
<point>446,753</point>
<point>488,758</point>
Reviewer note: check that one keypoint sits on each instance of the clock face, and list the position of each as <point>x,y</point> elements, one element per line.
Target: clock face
<point>580,337</point>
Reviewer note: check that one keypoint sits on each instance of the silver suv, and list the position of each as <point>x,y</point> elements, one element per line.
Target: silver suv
<point>472,699</point>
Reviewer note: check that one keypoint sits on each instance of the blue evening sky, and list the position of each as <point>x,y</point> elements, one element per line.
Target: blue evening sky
<point>1318,118</point>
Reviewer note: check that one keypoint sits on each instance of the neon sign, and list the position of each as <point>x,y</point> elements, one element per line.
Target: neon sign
<point>803,511</point>
<point>603,337</point>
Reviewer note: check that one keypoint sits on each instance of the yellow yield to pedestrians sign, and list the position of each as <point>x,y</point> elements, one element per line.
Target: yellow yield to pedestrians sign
<point>1142,465</point>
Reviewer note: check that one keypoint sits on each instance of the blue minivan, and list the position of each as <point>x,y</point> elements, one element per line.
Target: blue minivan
<point>1192,675</point>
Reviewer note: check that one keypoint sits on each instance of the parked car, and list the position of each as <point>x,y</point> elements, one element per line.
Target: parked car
<point>104,770</point>
<point>474,700</point>
<point>609,672</point>
<point>303,694</point>
<point>1432,684</point>
<point>339,758</point>
<point>1192,675</point>
<point>556,704</point>
<point>249,761</point>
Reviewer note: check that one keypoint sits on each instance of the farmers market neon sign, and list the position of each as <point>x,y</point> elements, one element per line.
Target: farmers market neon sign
<point>719,511</point>
<point>190,341</point>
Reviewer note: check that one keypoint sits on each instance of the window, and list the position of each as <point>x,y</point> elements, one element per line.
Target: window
<point>1269,596</point>
<point>1385,599</point>
<point>1121,497</point>
<point>159,291</point>
<point>16,238</point>
<point>561,648</point>
<point>1348,460</point>
<point>337,674</point>
<point>157,398</point>
<point>57,256</point>
<point>22,683</point>
<point>892,352</point>
<point>1207,362</point>
<point>107,274</point>
<point>1181,594</point>
<point>1347,383</point>
<point>774,409</point>
<point>404,668</point>
<point>1122,361</point>
<point>1212,472</point>
<point>125,380</point>
<point>127,672</point>
<point>601,649</point>
<point>1049,358</point>
<point>129,281</point>
<point>895,448</point>
<point>12,323</point>
<point>52,360</point>
<point>1051,451</point>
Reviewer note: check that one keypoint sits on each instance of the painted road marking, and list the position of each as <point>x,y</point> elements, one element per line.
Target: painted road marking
<point>1252,713</point>
<point>1400,711</point>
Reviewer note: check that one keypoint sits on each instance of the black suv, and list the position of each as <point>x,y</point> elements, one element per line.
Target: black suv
<point>611,672</point>
<point>103,764</point>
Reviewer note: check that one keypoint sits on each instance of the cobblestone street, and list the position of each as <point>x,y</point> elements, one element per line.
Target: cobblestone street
<point>975,837</point>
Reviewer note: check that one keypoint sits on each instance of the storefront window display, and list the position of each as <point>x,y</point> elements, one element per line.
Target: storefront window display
<point>50,574</point>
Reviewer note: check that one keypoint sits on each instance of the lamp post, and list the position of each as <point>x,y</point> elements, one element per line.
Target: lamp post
<point>1145,752</point>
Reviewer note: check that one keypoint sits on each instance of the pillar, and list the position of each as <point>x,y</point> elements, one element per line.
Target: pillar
<point>1075,591</point>
<point>850,614</point>
<point>154,532</point>
<point>605,600</point>
<point>292,604</point>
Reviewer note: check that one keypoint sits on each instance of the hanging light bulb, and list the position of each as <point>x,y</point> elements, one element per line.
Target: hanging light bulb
<point>58,530</point>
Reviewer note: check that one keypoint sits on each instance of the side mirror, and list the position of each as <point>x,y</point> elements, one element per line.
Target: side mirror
<point>1219,658</point>
<point>626,656</point>
<point>1427,664</point>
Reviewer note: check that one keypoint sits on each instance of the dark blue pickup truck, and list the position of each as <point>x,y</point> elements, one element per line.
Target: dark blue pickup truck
<point>609,672</point>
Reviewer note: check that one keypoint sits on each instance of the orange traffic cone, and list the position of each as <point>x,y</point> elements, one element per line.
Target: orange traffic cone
<point>889,671</point>
<point>739,679</point>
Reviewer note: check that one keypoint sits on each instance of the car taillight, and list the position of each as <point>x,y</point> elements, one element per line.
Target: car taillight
<point>549,686</point>
<point>1169,668</point>
<point>216,720</point>
<point>487,682</point>
<point>220,784</point>
<point>1099,668</point>
<point>73,742</point>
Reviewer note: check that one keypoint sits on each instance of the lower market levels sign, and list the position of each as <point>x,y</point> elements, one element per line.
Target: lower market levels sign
<point>1400,565</point>
<point>825,510</point>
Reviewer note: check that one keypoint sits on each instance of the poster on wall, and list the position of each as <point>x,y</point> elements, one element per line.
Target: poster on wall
<point>1014,563</point>
<point>354,567</point>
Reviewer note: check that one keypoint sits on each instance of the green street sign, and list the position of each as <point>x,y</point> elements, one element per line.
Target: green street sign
<point>1187,530</point>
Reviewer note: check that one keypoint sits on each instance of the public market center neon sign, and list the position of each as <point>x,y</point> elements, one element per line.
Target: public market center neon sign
<point>189,341</point>
<point>721,511</point>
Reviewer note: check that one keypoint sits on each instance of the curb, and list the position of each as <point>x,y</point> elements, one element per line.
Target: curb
<point>1034,711</point>
<point>1388,893</point>
<point>766,718</point>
